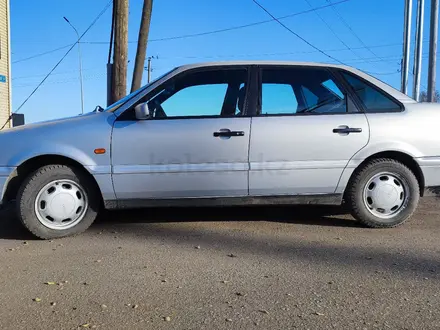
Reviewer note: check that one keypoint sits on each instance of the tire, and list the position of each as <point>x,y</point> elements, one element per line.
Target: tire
<point>82,200</point>
<point>363,208</point>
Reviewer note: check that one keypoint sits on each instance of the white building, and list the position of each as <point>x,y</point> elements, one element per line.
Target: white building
<point>5,64</point>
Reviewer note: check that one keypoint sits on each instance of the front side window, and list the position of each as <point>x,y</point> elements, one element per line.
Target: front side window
<point>219,92</point>
<point>300,91</point>
<point>198,100</point>
<point>372,99</point>
<point>115,106</point>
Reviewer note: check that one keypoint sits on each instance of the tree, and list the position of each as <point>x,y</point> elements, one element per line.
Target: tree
<point>424,96</point>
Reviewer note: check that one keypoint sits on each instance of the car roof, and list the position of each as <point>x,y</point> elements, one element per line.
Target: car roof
<point>377,82</point>
<point>238,63</point>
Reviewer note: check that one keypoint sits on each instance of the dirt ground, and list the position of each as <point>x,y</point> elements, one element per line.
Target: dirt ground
<point>225,268</point>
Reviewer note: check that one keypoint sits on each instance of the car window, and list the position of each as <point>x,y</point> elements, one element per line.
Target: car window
<point>331,86</point>
<point>372,99</point>
<point>218,92</point>
<point>309,98</point>
<point>279,98</point>
<point>115,106</point>
<point>301,91</point>
<point>202,100</point>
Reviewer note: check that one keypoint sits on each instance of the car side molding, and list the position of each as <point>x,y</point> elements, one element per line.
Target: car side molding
<point>318,199</point>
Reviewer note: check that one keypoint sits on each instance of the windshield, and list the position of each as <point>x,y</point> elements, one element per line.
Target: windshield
<point>115,106</point>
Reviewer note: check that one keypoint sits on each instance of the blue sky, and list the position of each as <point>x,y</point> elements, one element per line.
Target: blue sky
<point>38,27</point>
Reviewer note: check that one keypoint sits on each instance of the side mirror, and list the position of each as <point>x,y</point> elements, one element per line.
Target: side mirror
<point>142,111</point>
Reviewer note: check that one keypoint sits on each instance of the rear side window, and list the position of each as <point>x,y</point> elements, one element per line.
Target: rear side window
<point>279,99</point>
<point>372,99</point>
<point>296,90</point>
<point>310,99</point>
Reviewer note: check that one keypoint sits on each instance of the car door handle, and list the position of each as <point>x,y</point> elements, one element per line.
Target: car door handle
<point>347,130</point>
<point>228,133</point>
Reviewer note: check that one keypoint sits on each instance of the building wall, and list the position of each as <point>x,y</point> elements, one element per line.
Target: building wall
<point>5,95</point>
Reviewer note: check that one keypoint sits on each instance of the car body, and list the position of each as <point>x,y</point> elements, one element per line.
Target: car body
<point>242,133</point>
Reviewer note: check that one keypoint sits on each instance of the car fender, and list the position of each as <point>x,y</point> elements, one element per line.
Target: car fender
<point>52,149</point>
<point>370,150</point>
<point>383,146</point>
<point>101,173</point>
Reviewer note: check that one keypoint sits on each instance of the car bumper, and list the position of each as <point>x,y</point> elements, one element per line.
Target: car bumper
<point>430,167</point>
<point>5,174</point>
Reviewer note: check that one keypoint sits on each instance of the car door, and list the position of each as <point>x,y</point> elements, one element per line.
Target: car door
<point>305,130</point>
<point>195,142</point>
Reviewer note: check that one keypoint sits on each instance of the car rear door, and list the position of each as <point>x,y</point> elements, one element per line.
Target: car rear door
<point>304,132</point>
<point>195,144</point>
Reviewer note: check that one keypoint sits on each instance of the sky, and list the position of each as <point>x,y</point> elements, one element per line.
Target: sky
<point>342,31</point>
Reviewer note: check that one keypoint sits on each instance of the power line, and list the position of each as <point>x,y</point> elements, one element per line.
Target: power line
<point>42,54</point>
<point>357,59</point>
<point>391,58</point>
<point>315,9</point>
<point>287,53</point>
<point>200,34</point>
<point>58,63</point>
<point>67,80</point>
<point>332,30</point>
<point>350,28</point>
<point>197,34</point>
<point>296,34</point>
<point>349,60</point>
<point>382,73</point>
<point>53,74</point>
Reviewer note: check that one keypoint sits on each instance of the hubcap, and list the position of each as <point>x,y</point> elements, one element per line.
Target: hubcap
<point>61,204</point>
<point>385,195</point>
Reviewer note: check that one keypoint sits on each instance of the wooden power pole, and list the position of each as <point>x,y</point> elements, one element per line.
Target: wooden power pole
<point>142,45</point>
<point>120,54</point>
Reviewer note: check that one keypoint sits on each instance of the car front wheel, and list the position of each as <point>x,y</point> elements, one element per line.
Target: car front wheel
<point>57,201</point>
<point>383,194</point>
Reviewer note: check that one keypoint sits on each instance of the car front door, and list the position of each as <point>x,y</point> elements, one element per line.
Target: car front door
<point>305,130</point>
<point>195,142</point>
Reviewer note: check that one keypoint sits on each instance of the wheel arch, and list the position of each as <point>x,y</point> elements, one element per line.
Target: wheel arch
<point>32,164</point>
<point>399,156</point>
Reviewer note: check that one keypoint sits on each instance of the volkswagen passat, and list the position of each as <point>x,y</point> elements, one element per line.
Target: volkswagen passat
<point>231,133</point>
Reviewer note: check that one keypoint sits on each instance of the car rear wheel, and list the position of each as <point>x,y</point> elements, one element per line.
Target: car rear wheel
<point>383,194</point>
<point>57,201</point>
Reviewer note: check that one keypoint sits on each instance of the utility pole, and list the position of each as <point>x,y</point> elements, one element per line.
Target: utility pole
<point>418,50</point>
<point>149,69</point>
<point>406,45</point>
<point>433,50</point>
<point>142,45</point>
<point>109,61</point>
<point>119,75</point>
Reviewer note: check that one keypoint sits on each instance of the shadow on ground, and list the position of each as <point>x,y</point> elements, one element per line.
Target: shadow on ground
<point>316,215</point>
<point>344,244</point>
<point>346,248</point>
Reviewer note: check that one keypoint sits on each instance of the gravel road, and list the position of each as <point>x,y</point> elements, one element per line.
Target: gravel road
<point>225,268</point>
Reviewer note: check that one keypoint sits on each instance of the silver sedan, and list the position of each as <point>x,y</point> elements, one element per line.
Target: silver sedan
<point>232,133</point>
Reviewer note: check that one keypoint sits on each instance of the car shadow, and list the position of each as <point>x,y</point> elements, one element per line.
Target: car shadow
<point>307,215</point>
<point>375,259</point>
<point>11,229</point>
